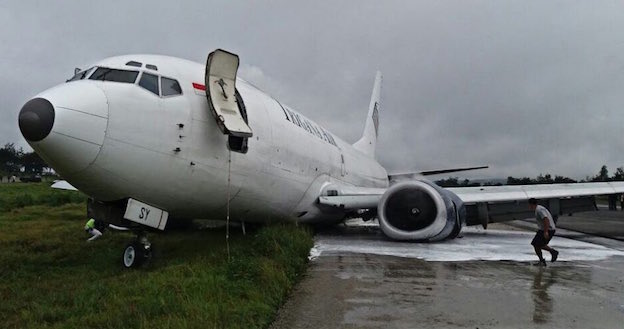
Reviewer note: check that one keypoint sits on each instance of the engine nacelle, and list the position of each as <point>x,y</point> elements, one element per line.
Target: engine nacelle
<point>420,211</point>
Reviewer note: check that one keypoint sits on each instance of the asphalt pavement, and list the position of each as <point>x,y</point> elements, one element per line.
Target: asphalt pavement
<point>486,279</point>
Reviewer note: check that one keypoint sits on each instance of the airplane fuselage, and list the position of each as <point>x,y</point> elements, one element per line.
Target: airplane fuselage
<point>115,140</point>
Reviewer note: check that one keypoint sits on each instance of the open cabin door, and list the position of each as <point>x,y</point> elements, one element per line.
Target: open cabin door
<point>223,99</point>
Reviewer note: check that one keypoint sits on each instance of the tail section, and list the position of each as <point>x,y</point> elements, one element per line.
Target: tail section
<point>368,142</point>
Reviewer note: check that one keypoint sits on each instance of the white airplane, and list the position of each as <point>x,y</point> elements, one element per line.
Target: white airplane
<point>153,140</point>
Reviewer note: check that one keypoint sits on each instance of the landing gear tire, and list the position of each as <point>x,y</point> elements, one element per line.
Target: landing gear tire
<point>136,253</point>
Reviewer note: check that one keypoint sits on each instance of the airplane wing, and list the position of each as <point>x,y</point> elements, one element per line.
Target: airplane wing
<point>490,204</point>
<point>493,204</point>
<point>541,191</point>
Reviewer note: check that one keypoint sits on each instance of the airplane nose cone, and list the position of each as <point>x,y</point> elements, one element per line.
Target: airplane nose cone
<point>36,119</point>
<point>66,125</point>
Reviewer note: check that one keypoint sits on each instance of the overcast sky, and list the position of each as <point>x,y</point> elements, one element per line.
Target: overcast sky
<point>527,87</point>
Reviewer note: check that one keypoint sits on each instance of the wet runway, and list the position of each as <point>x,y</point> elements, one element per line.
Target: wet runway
<point>358,279</point>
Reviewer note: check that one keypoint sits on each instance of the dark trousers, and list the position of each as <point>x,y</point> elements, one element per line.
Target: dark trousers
<point>539,240</point>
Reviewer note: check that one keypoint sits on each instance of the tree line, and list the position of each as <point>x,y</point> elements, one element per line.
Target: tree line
<point>14,161</point>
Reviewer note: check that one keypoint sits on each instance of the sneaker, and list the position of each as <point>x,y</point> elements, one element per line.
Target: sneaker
<point>553,255</point>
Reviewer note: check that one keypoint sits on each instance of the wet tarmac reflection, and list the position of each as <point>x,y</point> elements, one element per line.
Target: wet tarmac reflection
<point>542,302</point>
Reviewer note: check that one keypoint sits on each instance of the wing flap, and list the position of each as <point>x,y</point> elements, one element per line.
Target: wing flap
<point>484,213</point>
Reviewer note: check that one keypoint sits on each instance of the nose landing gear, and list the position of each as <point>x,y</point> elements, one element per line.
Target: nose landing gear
<point>137,252</point>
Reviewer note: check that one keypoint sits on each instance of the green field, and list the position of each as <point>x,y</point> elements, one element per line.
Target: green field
<point>51,277</point>
<point>20,195</point>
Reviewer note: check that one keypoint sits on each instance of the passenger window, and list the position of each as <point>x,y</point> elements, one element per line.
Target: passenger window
<point>149,82</point>
<point>106,74</point>
<point>170,87</point>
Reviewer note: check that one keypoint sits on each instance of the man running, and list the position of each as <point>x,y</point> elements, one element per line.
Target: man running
<point>546,230</point>
<point>90,228</point>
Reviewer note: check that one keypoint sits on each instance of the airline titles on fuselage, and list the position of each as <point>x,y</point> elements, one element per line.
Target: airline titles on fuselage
<point>312,128</point>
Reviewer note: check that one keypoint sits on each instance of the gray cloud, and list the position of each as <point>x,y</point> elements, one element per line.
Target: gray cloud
<point>527,88</point>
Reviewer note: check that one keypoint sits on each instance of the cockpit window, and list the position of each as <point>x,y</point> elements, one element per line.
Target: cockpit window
<point>80,75</point>
<point>107,74</point>
<point>149,82</point>
<point>151,67</point>
<point>133,63</point>
<point>170,87</point>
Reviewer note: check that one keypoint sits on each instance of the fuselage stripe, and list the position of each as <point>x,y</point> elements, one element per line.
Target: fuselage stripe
<point>199,86</point>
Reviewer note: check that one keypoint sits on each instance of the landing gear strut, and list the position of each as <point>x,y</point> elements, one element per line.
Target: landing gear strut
<point>137,252</point>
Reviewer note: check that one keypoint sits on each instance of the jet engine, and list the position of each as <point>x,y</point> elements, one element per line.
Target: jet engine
<point>420,210</point>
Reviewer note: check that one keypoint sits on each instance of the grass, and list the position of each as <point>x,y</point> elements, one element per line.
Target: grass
<point>19,195</point>
<point>51,278</point>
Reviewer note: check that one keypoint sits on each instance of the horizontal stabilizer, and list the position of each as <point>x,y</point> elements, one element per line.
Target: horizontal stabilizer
<point>432,172</point>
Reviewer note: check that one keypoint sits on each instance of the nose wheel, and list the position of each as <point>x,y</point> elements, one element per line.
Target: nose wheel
<point>137,252</point>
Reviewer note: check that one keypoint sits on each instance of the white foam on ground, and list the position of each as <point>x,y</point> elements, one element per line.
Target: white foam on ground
<point>476,244</point>
<point>314,253</point>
